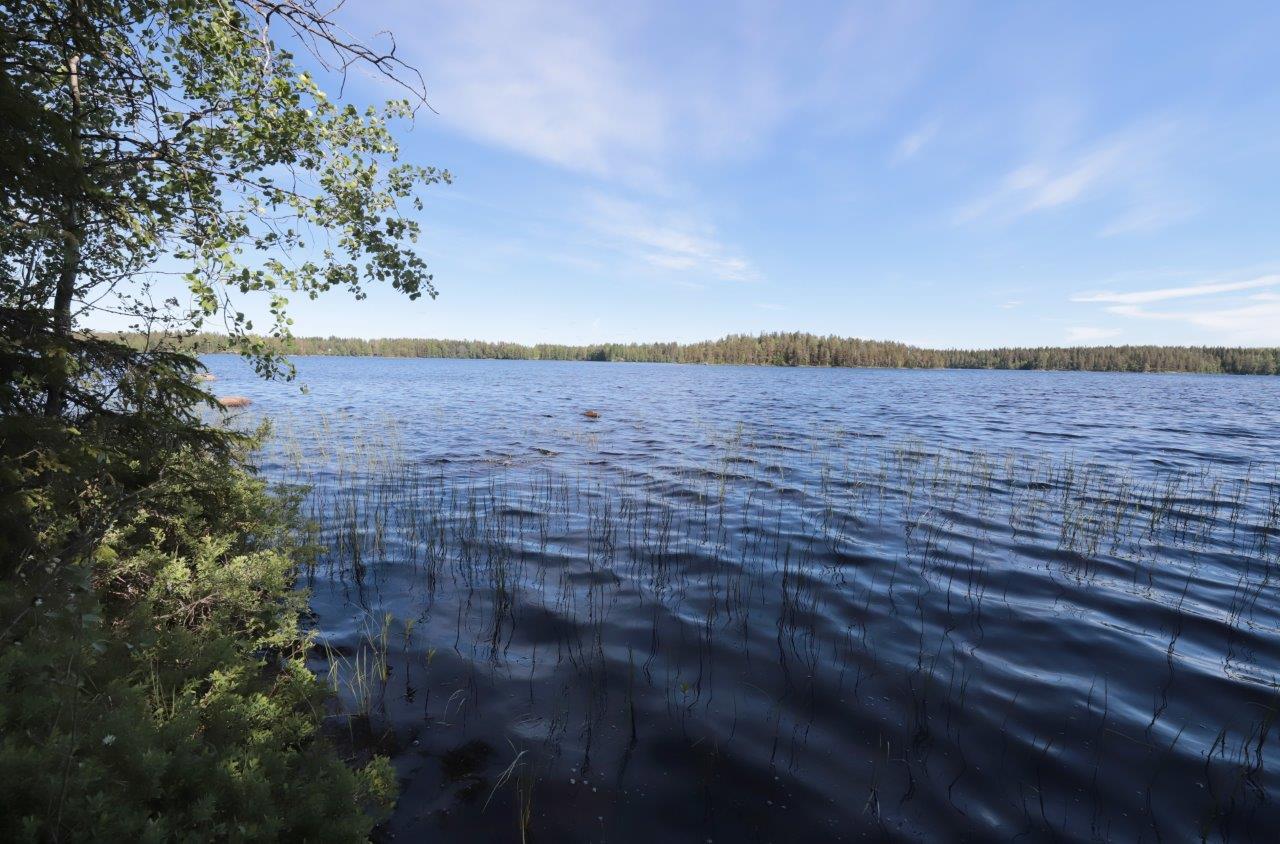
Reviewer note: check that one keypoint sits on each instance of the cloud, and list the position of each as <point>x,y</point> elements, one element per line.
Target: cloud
<point>1049,190</point>
<point>911,145</point>
<point>1207,289</point>
<point>1011,304</point>
<point>665,240</point>
<point>1126,168</point>
<point>1221,313</point>
<point>1148,218</point>
<point>630,93</point>
<point>1036,187</point>
<point>1090,333</point>
<point>1256,323</point>
<point>543,80</point>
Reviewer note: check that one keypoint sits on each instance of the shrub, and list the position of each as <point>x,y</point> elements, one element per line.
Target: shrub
<point>158,688</point>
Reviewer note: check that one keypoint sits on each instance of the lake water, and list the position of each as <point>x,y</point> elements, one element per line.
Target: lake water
<point>755,604</point>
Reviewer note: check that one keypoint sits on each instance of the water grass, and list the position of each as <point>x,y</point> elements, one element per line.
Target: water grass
<point>771,576</point>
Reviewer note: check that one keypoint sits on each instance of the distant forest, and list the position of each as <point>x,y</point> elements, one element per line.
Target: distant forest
<point>798,349</point>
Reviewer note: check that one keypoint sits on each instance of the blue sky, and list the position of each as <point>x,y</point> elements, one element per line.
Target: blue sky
<point>942,173</point>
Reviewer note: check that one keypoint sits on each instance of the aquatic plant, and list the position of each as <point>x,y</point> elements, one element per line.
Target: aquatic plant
<point>752,592</point>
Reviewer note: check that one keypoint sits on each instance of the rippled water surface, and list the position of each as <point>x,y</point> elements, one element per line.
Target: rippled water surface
<point>751,604</point>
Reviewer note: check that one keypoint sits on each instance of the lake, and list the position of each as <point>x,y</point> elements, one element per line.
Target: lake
<point>757,604</point>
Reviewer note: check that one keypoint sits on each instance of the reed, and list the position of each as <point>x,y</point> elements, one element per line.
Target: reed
<point>781,574</point>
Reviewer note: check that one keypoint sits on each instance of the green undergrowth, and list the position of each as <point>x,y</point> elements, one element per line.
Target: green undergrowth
<point>153,686</point>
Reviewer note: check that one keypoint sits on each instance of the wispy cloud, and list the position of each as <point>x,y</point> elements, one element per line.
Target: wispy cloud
<point>911,145</point>
<point>578,84</point>
<point>1037,187</point>
<point>1220,311</point>
<point>666,240</point>
<point>1140,297</point>
<point>1148,218</point>
<point>1124,168</point>
<point>1253,323</point>
<point>543,80</point>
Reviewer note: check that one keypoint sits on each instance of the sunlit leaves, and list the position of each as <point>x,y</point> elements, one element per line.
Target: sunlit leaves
<point>201,141</point>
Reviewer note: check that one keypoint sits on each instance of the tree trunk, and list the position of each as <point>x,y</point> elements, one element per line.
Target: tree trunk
<point>72,241</point>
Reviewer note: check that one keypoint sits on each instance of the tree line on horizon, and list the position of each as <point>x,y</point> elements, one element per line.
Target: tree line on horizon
<point>798,349</point>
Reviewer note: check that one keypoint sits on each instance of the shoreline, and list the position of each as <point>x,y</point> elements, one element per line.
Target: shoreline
<point>793,349</point>
<point>869,368</point>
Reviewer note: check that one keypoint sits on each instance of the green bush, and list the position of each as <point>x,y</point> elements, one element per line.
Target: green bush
<point>156,687</point>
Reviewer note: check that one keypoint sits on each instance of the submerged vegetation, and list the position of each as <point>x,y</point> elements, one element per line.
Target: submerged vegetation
<point>797,349</point>
<point>885,616</point>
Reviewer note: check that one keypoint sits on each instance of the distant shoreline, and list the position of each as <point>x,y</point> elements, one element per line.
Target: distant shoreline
<point>296,355</point>
<point>794,350</point>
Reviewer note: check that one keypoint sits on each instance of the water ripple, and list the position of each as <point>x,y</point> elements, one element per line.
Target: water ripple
<point>764,604</point>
